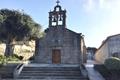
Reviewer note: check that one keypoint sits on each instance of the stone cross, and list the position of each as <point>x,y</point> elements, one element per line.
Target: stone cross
<point>57,2</point>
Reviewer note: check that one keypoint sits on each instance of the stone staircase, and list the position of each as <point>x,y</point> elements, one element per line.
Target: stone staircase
<point>51,73</point>
<point>6,71</point>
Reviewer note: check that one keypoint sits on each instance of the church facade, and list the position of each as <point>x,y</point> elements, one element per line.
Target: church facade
<point>60,45</point>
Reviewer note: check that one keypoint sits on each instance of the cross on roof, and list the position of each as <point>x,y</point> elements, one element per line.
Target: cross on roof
<point>57,2</point>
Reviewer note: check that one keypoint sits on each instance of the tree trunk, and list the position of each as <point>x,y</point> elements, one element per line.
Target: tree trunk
<point>9,48</point>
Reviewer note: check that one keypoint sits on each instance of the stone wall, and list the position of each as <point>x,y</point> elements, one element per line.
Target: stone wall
<point>25,50</point>
<point>67,41</point>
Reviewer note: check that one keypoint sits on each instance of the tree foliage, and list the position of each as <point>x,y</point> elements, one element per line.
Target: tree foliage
<point>16,26</point>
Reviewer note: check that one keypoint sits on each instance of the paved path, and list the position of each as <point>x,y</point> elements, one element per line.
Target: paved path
<point>92,73</point>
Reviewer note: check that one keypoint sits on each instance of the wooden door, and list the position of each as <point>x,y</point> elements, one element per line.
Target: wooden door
<point>56,56</point>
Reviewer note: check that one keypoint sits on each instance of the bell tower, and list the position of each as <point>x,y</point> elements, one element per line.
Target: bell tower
<point>57,17</point>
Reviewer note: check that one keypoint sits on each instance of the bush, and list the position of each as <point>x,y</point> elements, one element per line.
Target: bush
<point>112,63</point>
<point>14,57</point>
<point>3,60</point>
<point>18,57</point>
<point>102,70</point>
<point>1,57</point>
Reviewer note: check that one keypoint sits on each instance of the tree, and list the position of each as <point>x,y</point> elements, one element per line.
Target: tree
<point>16,26</point>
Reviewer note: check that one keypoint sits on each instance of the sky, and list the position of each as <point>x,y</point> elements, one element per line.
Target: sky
<point>95,19</point>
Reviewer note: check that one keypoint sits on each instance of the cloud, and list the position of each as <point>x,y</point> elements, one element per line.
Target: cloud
<point>105,16</point>
<point>91,5</point>
<point>88,5</point>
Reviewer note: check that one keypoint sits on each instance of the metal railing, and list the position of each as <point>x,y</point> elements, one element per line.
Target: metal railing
<point>18,70</point>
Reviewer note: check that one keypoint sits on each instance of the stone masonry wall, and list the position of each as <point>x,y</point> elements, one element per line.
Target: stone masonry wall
<point>59,38</point>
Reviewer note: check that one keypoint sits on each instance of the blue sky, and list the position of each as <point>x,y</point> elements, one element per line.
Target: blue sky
<point>96,19</point>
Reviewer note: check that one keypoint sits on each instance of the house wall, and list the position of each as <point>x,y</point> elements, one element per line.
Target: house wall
<point>114,46</point>
<point>102,53</point>
<point>91,52</point>
<point>109,48</point>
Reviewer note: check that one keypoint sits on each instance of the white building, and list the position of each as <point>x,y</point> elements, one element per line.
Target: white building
<point>110,47</point>
<point>91,52</point>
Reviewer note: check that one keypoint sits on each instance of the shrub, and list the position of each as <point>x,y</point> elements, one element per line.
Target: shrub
<point>112,63</point>
<point>1,57</point>
<point>2,60</point>
<point>18,57</point>
<point>102,70</point>
<point>14,57</point>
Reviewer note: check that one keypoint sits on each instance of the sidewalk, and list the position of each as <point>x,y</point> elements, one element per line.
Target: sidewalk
<point>92,73</point>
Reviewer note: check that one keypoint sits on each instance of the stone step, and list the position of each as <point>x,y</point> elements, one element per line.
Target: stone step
<point>48,79</point>
<point>6,71</point>
<point>51,68</point>
<point>54,71</point>
<point>7,75</point>
<point>51,73</point>
<point>51,77</point>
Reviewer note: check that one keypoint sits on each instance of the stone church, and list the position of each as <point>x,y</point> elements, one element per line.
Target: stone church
<point>60,45</point>
<point>59,54</point>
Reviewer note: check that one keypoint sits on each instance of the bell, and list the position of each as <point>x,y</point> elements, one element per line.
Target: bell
<point>54,19</point>
<point>60,19</point>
